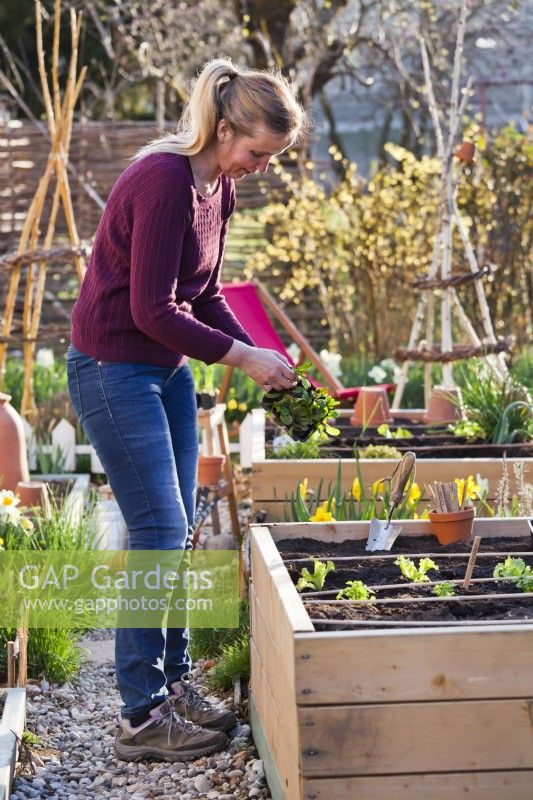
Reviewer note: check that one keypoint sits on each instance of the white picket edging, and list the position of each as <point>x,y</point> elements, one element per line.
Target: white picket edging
<point>250,447</point>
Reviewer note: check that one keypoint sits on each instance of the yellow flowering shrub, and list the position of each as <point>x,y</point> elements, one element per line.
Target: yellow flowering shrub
<point>353,252</point>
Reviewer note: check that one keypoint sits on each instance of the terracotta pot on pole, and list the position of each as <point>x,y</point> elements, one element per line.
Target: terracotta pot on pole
<point>465,152</point>
<point>444,406</point>
<point>209,469</point>
<point>13,458</point>
<point>371,408</point>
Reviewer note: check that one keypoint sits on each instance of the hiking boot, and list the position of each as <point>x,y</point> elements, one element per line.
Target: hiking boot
<point>166,737</point>
<point>191,706</point>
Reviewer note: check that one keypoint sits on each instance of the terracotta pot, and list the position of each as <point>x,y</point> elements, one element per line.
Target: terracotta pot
<point>466,151</point>
<point>209,470</point>
<point>455,526</point>
<point>33,493</point>
<point>13,458</point>
<point>444,406</point>
<point>371,408</point>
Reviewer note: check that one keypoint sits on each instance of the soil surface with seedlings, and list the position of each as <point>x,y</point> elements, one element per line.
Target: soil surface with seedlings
<point>379,572</point>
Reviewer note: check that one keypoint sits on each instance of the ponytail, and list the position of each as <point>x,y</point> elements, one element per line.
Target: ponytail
<point>245,99</point>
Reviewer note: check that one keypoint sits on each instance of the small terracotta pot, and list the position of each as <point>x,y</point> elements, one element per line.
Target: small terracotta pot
<point>13,458</point>
<point>209,469</point>
<point>371,408</point>
<point>455,526</point>
<point>444,406</point>
<point>465,151</point>
<point>34,493</point>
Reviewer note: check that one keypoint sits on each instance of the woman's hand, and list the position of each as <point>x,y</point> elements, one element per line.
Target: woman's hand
<point>266,367</point>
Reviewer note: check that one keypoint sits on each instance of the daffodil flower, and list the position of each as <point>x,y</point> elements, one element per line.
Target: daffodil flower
<point>356,489</point>
<point>378,487</point>
<point>322,514</point>
<point>303,488</point>
<point>232,404</point>
<point>8,506</point>
<point>415,493</point>
<point>467,489</point>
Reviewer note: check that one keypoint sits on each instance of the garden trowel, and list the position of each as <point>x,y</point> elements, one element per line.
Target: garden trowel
<point>382,534</point>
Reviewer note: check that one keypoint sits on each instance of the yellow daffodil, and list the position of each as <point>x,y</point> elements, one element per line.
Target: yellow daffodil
<point>303,487</point>
<point>467,489</point>
<point>472,489</point>
<point>378,487</point>
<point>356,490</point>
<point>243,407</point>
<point>415,493</point>
<point>322,514</point>
<point>1,542</point>
<point>232,404</point>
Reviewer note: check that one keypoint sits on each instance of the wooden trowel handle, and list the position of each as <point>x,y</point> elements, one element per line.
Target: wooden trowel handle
<point>399,480</point>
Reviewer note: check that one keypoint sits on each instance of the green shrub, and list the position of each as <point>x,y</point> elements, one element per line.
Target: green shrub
<point>234,662</point>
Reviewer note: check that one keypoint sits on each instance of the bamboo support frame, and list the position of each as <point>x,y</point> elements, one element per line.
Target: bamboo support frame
<point>59,114</point>
<point>448,217</point>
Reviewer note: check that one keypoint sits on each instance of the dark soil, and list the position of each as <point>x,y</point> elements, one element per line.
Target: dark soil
<point>60,487</point>
<point>425,443</point>
<point>378,570</point>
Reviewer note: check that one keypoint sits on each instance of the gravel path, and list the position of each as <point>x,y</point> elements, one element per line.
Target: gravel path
<point>76,725</point>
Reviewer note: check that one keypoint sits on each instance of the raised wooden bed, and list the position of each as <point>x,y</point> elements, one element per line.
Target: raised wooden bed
<point>274,479</point>
<point>77,485</point>
<point>386,714</point>
<point>12,718</point>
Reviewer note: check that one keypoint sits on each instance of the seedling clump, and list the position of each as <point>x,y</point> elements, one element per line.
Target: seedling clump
<point>515,568</point>
<point>314,580</point>
<point>411,572</point>
<point>356,590</point>
<point>444,589</point>
<point>302,410</point>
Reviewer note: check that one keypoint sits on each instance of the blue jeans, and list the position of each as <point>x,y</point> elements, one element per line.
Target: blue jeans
<point>142,422</point>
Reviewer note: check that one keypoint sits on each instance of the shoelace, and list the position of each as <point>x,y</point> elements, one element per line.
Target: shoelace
<point>191,698</point>
<point>168,717</point>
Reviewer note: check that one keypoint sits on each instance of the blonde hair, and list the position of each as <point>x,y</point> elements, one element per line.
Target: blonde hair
<point>245,99</point>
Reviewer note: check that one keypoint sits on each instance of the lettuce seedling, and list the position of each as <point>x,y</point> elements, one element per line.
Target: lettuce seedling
<point>411,572</point>
<point>356,590</point>
<point>515,568</point>
<point>510,568</point>
<point>444,589</point>
<point>314,580</point>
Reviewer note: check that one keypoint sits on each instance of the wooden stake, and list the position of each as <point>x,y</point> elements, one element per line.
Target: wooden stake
<point>471,561</point>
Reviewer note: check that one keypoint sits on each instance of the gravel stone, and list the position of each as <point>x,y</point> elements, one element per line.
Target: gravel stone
<point>77,725</point>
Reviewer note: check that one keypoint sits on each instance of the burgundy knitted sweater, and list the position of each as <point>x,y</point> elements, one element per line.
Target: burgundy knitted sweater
<point>151,293</point>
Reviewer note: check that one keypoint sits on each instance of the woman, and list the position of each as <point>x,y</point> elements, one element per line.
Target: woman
<point>150,298</point>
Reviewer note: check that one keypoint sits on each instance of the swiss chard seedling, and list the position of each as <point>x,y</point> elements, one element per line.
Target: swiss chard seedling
<point>302,410</point>
<point>315,579</point>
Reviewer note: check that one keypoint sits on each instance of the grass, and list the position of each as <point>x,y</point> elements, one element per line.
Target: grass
<point>485,401</point>
<point>52,653</point>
